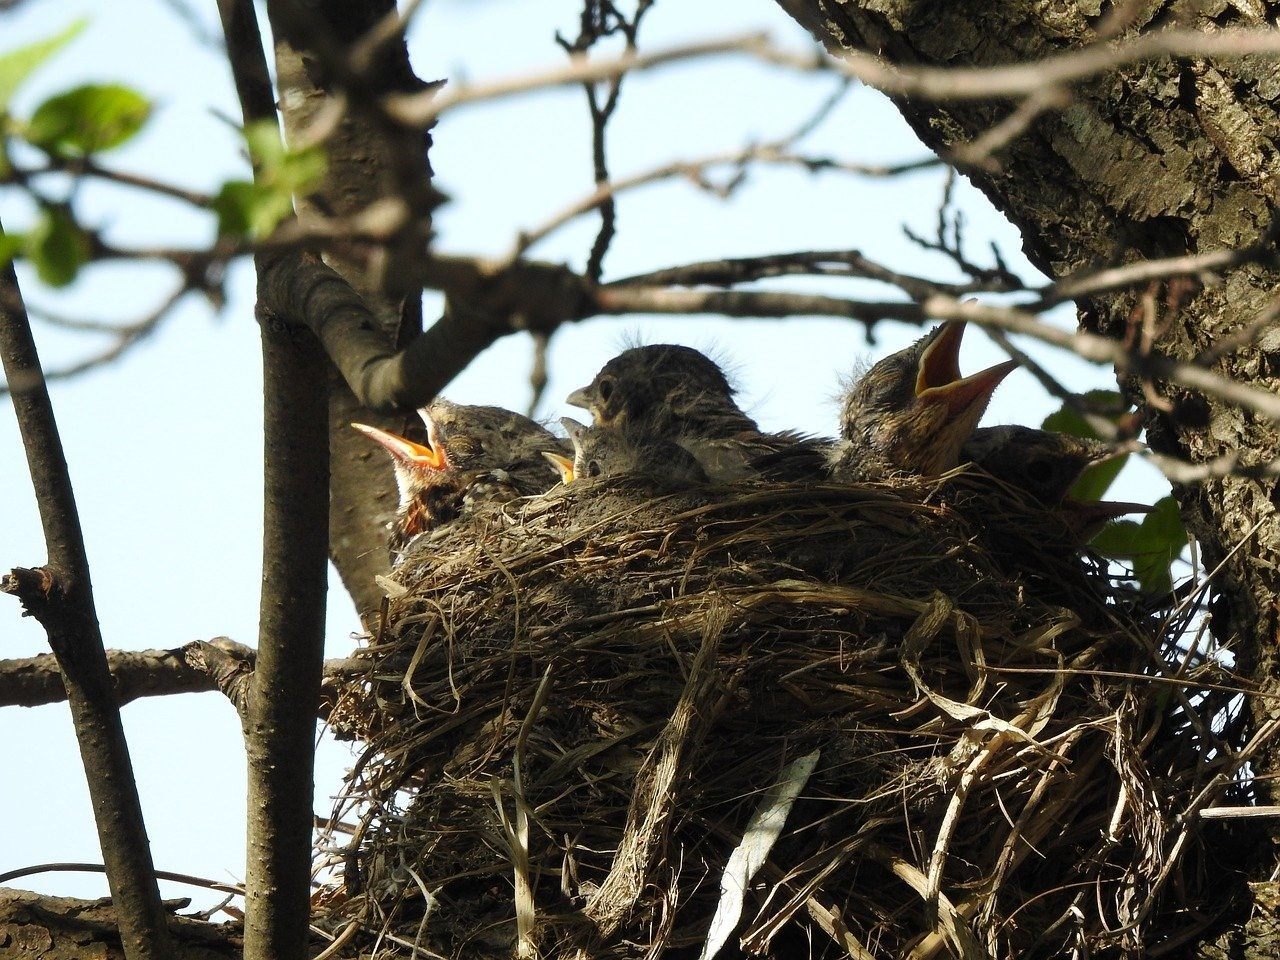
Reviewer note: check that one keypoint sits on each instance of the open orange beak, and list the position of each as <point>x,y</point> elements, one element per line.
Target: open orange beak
<point>938,377</point>
<point>406,451</point>
<point>562,463</point>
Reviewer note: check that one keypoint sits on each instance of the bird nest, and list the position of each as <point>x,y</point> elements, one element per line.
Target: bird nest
<point>618,721</point>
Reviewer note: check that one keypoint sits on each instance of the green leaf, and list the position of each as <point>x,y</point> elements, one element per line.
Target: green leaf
<point>11,244</point>
<point>57,247</point>
<point>1108,403</point>
<point>1151,546</point>
<point>246,209</point>
<point>88,118</point>
<point>17,65</point>
<point>254,209</point>
<point>1117,539</point>
<point>1096,480</point>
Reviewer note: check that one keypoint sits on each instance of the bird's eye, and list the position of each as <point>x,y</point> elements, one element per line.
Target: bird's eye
<point>593,468</point>
<point>606,388</point>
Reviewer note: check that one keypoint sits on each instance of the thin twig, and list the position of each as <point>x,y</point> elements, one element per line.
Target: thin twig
<point>87,167</point>
<point>980,152</point>
<point>125,338</point>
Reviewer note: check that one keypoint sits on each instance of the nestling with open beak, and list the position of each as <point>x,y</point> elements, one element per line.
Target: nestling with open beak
<point>611,451</point>
<point>912,412</point>
<point>473,454</point>
<point>675,393</point>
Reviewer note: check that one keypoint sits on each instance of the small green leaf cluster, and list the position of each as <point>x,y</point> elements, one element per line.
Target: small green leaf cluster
<point>1151,545</point>
<point>68,127</point>
<point>253,208</point>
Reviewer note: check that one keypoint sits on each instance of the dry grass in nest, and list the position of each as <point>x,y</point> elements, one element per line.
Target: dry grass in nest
<point>580,702</point>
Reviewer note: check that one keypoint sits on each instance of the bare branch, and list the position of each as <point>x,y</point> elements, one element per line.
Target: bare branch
<point>980,151</point>
<point>420,109</point>
<point>60,596</point>
<point>930,83</point>
<point>1010,81</point>
<point>763,303</point>
<point>125,336</point>
<point>1180,471</point>
<point>35,681</point>
<point>1202,265</point>
<point>598,21</point>
<point>80,167</point>
<point>816,263</point>
<point>698,172</point>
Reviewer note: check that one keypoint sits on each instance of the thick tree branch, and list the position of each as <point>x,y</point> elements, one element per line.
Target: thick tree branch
<point>285,690</point>
<point>532,297</point>
<point>60,596</point>
<point>335,63</point>
<point>36,681</point>
<point>539,297</point>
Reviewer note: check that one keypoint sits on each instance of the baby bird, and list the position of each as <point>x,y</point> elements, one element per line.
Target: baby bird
<point>1044,464</point>
<point>473,454</point>
<point>678,394</point>
<point>611,451</point>
<point>1047,465</point>
<point>912,412</point>
<point>665,389</point>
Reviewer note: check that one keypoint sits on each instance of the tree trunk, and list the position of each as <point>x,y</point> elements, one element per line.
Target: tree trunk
<point>368,161</point>
<point>1158,159</point>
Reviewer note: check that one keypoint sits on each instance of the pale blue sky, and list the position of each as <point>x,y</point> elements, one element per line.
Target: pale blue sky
<point>165,445</point>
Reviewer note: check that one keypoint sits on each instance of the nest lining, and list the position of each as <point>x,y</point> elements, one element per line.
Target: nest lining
<point>578,701</point>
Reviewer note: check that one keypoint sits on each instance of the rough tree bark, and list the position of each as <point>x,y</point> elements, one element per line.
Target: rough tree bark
<point>369,160</point>
<point>37,927</point>
<point>1159,159</point>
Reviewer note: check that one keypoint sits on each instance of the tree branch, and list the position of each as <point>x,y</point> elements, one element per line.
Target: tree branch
<point>940,84</point>
<point>60,596</point>
<point>285,690</point>
<point>306,291</point>
<point>1011,81</point>
<point>36,681</point>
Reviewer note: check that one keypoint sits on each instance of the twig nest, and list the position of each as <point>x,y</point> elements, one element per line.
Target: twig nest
<point>579,703</point>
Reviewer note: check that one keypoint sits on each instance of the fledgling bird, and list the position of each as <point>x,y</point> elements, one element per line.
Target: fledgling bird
<point>1041,462</point>
<point>473,454</point>
<point>672,392</point>
<point>665,389</point>
<point>1047,465</point>
<point>612,451</point>
<point>912,412</point>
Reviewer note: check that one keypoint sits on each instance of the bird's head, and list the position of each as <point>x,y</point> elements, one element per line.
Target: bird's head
<point>612,451</point>
<point>913,410</point>
<point>654,387</point>
<point>570,468</point>
<point>484,438</point>
<point>417,465</point>
<point>1044,463</point>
